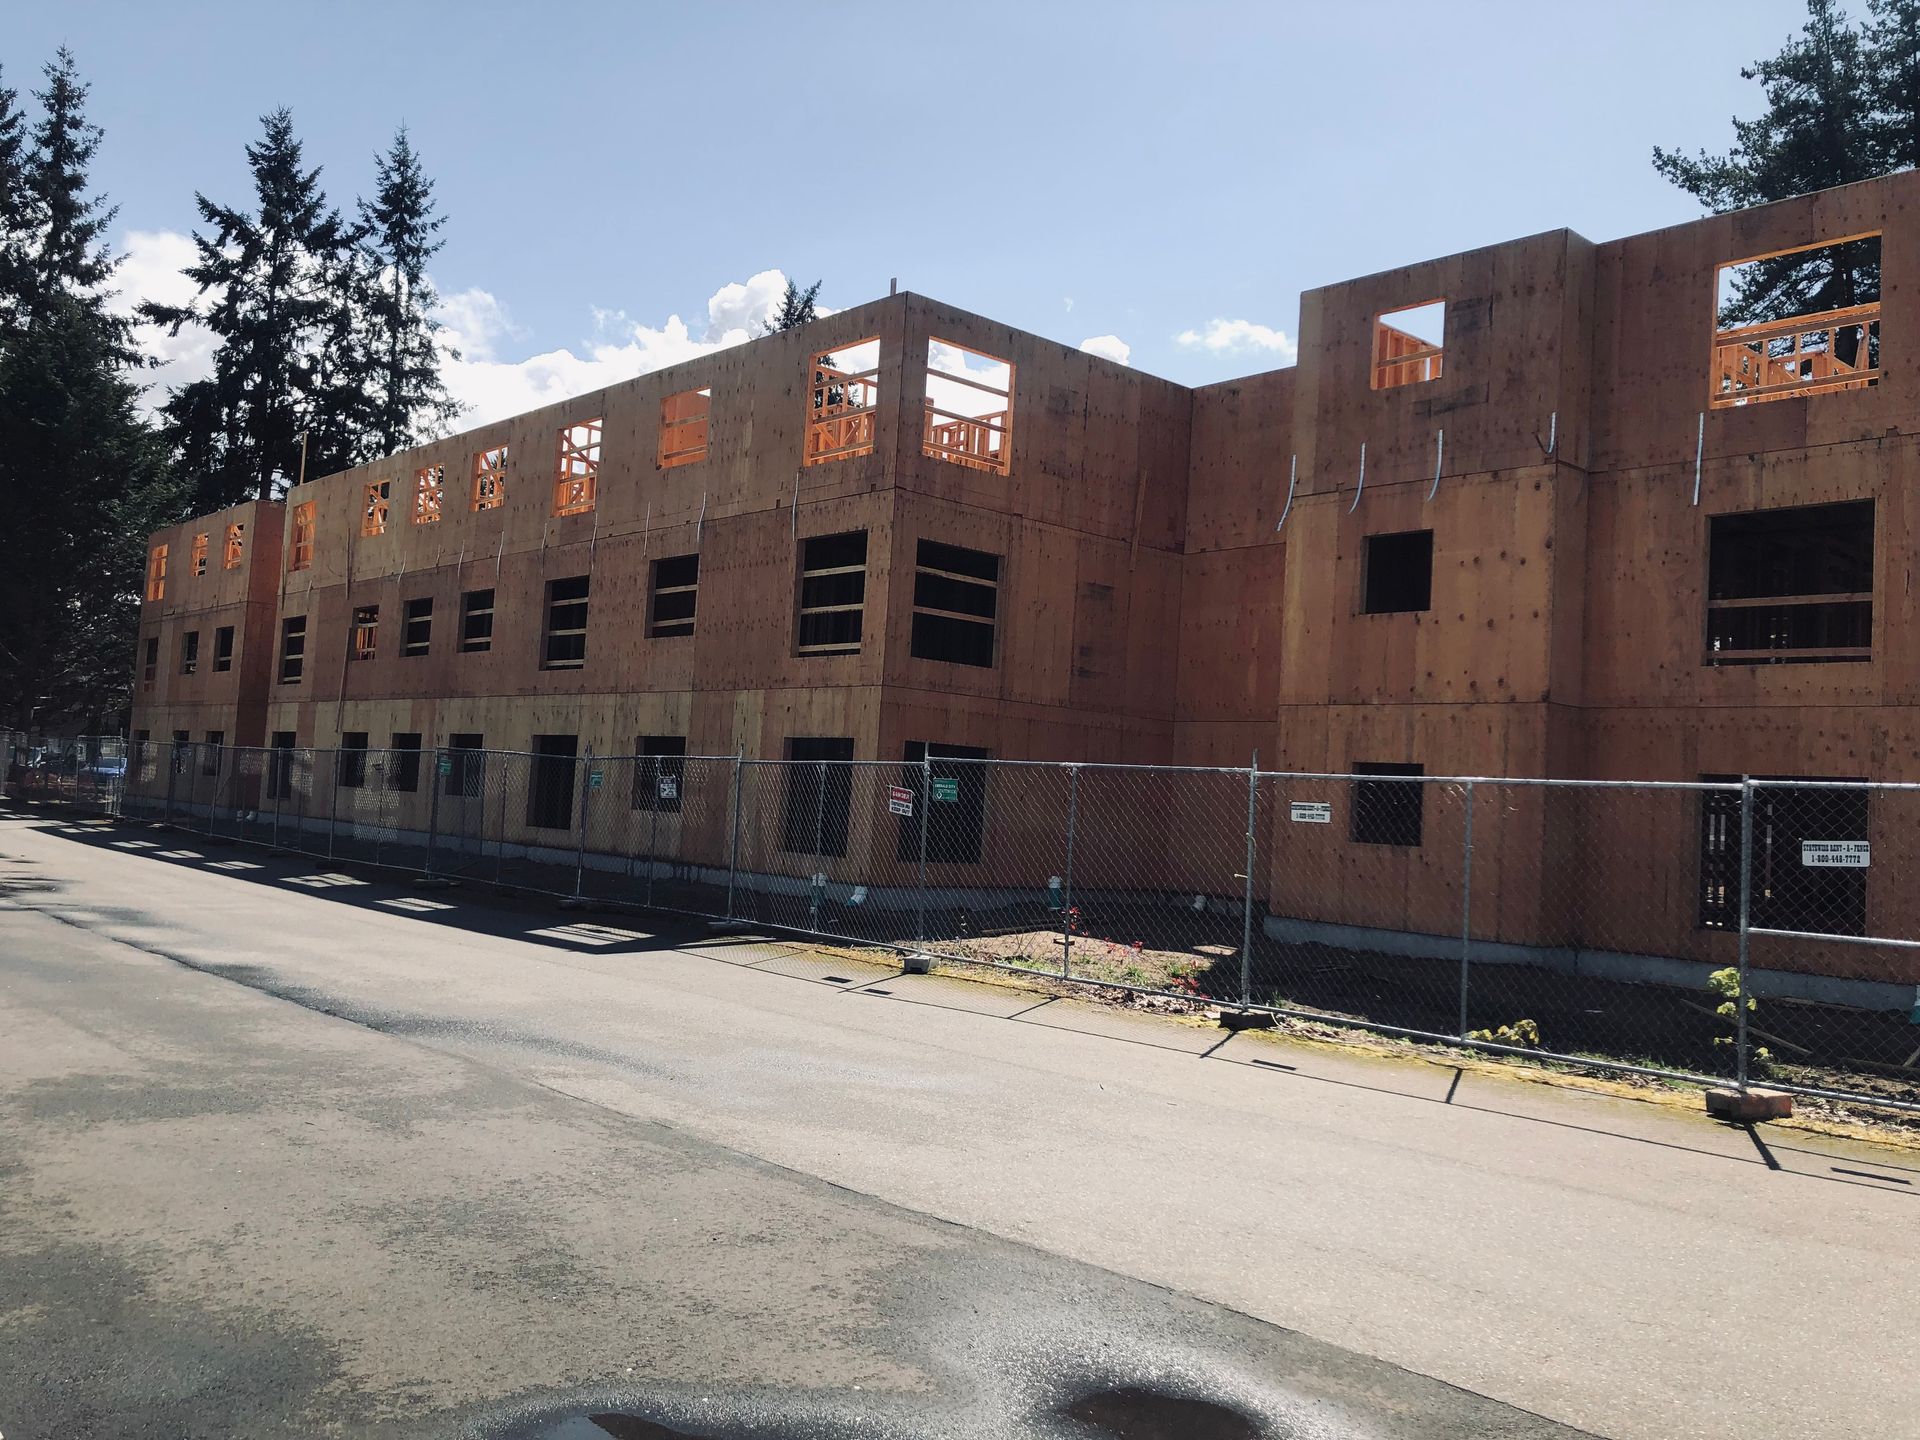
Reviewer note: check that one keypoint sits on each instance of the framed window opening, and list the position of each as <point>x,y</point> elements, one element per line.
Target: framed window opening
<point>819,796</point>
<point>416,626</point>
<point>969,407</point>
<point>235,548</point>
<point>150,666</point>
<point>579,472</point>
<point>684,427</point>
<point>1791,586</point>
<point>293,649</point>
<point>1800,321</point>
<point>676,594</point>
<point>466,765</point>
<point>833,593</point>
<point>956,601</point>
<point>842,396</point>
<point>189,652</point>
<point>197,556</point>
<point>303,527</point>
<point>350,762</point>
<point>157,573</point>
<point>223,648</point>
<point>429,491</point>
<point>476,621</point>
<point>659,767</point>
<point>366,632</point>
<point>373,519</point>
<point>490,479</point>
<point>403,761</point>
<point>550,785</point>
<point>1409,344</point>
<point>1388,811</point>
<point>566,639</point>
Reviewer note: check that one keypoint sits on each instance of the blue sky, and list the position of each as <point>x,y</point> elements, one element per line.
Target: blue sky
<point>1145,172</point>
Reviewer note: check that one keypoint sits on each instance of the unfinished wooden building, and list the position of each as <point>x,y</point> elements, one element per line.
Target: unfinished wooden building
<point>1633,510</point>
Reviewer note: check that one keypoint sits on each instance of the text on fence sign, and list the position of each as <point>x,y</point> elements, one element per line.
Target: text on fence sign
<point>1836,854</point>
<point>1311,812</point>
<point>899,800</point>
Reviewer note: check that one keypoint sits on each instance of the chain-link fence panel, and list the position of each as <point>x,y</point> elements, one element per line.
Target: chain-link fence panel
<point>1166,873</point>
<point>1366,892</point>
<point>658,832</point>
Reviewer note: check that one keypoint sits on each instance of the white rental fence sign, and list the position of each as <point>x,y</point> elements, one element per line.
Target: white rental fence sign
<point>1836,854</point>
<point>1311,812</point>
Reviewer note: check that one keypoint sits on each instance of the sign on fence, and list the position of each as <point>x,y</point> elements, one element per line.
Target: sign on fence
<point>669,787</point>
<point>946,791</point>
<point>899,800</point>
<point>1311,812</point>
<point>446,764</point>
<point>593,779</point>
<point>1836,854</point>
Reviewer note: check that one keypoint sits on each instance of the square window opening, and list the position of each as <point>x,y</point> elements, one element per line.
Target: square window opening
<point>1791,586</point>
<point>819,796</point>
<point>416,626</point>
<point>476,620</point>
<point>566,642</point>
<point>366,632</point>
<point>659,767</point>
<point>1797,322</point>
<point>969,407</point>
<point>1409,344</point>
<point>841,398</point>
<point>1398,573</point>
<point>1387,811</point>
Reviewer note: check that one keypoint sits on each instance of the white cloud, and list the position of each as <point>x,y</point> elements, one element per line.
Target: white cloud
<point>1108,347</point>
<point>150,269</point>
<point>1223,336</point>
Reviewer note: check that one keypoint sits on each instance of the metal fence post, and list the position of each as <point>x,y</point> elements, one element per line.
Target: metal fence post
<point>586,800</point>
<point>434,782</point>
<point>817,881</point>
<point>1466,909</point>
<point>1746,880</point>
<point>926,812</point>
<point>173,775</point>
<point>1066,894</point>
<point>280,772</point>
<point>1246,915</point>
<point>653,823</point>
<point>333,800</point>
<point>733,838</point>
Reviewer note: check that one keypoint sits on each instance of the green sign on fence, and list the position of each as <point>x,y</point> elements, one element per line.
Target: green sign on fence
<point>947,790</point>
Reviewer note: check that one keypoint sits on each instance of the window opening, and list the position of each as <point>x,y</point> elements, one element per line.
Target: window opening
<point>550,786</point>
<point>841,401</point>
<point>189,652</point>
<point>351,762</point>
<point>819,796</point>
<point>1409,345</point>
<point>676,589</point>
<point>476,620</point>
<point>683,427</point>
<point>197,557</point>
<point>833,591</point>
<point>293,649</point>
<point>157,573</point>
<point>1387,812</point>
<point>235,548</point>
<point>579,468</point>
<point>465,764</point>
<point>969,407</point>
<point>1787,894</point>
<point>1792,586</point>
<point>1398,573</point>
<point>658,771</point>
<point>1797,322</point>
<point>956,816</point>
<point>366,631</point>
<point>302,537</point>
<point>429,489</point>
<point>566,647</point>
<point>373,520</point>
<point>490,478</point>
<point>956,597</point>
<point>416,626</point>
<point>223,648</point>
<point>403,773</point>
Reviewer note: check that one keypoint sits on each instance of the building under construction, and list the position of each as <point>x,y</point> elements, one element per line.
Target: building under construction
<point>1543,509</point>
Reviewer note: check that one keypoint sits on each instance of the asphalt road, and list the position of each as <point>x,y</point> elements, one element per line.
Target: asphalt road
<point>286,1151</point>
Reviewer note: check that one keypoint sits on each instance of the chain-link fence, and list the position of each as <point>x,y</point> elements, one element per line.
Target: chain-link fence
<point>83,769</point>
<point>1754,930</point>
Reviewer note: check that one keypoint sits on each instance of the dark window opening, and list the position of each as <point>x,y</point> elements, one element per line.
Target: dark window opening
<point>476,620</point>
<point>1791,586</point>
<point>223,648</point>
<point>676,588</point>
<point>550,787</point>
<point>403,762</point>
<point>1788,894</point>
<point>659,768</point>
<point>293,649</point>
<point>1399,573</point>
<point>566,647</point>
<point>956,815</point>
<point>210,756</point>
<point>1387,812</point>
<point>956,598</point>
<point>416,626</point>
<point>465,765</point>
<point>151,666</point>
<point>351,763</point>
<point>833,593</point>
<point>819,796</point>
<point>189,652</point>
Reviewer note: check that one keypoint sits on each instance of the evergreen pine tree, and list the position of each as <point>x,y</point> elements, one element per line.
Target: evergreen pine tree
<point>1821,128</point>
<point>399,236</point>
<point>14,208</point>
<point>277,286</point>
<point>81,480</point>
<point>796,309</point>
<point>1893,77</point>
